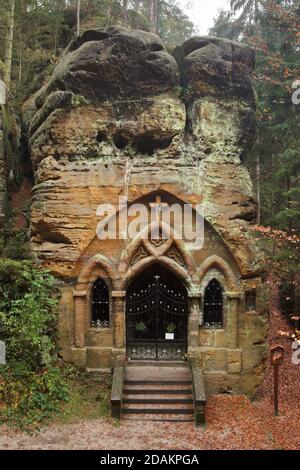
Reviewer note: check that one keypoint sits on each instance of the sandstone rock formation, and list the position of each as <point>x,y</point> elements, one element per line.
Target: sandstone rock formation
<point>118,95</point>
<point>121,116</point>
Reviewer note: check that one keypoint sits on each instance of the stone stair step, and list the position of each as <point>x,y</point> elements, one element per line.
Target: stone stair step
<point>160,418</point>
<point>156,373</point>
<point>157,391</point>
<point>142,363</point>
<point>158,410</point>
<point>158,399</point>
<point>158,405</point>
<point>156,382</point>
<point>158,388</point>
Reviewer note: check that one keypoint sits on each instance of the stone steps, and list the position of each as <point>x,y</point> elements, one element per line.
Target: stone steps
<point>158,382</point>
<point>148,390</point>
<point>166,418</point>
<point>158,393</point>
<point>158,399</point>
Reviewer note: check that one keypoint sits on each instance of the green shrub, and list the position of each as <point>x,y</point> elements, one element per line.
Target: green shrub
<point>30,397</point>
<point>31,384</point>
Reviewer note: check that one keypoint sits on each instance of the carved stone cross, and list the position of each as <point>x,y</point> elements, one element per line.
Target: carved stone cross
<point>157,208</point>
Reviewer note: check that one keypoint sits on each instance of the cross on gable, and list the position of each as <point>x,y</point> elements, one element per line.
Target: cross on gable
<point>158,206</point>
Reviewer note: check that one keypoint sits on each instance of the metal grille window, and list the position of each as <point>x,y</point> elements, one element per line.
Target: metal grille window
<point>250,300</point>
<point>213,305</point>
<point>100,305</point>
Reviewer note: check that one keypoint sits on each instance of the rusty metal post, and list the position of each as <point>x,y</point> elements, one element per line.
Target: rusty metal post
<point>277,359</point>
<point>276,388</point>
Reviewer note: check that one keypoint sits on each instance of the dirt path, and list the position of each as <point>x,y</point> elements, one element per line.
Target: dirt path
<point>232,422</point>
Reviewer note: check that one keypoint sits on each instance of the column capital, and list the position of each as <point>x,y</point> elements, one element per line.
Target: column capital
<point>195,294</point>
<point>234,295</point>
<point>118,294</point>
<point>79,293</point>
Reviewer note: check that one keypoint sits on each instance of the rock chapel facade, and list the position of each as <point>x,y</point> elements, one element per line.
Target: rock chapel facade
<point>121,116</point>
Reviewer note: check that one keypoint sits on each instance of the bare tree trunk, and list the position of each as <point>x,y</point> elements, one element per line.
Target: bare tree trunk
<point>272,192</point>
<point>154,15</point>
<point>20,61</point>
<point>78,17</point>
<point>256,12</point>
<point>125,13</point>
<point>288,189</point>
<point>258,189</point>
<point>9,43</point>
<point>109,13</point>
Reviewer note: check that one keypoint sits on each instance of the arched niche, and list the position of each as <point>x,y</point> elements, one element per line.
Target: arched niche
<point>219,265</point>
<point>96,268</point>
<point>215,268</point>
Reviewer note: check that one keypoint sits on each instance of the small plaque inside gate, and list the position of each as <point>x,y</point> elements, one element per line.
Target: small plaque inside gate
<point>170,336</point>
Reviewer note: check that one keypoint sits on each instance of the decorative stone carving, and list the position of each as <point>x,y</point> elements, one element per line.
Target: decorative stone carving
<point>173,253</point>
<point>139,255</point>
<point>157,243</point>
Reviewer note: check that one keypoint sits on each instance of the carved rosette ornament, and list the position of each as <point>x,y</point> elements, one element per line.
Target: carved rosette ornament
<point>173,253</point>
<point>139,255</point>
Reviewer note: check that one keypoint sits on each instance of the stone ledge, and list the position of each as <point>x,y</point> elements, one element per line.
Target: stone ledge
<point>118,294</point>
<point>77,293</point>
<point>194,294</point>
<point>234,295</point>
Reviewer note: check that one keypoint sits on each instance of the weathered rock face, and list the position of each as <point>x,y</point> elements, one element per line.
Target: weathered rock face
<point>116,95</point>
<point>219,71</point>
<point>115,63</point>
<point>121,116</point>
<point>217,67</point>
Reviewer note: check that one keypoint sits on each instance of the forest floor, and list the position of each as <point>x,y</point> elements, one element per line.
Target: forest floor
<point>233,422</point>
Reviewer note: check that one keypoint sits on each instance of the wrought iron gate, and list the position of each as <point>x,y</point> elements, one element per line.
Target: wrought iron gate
<point>157,320</point>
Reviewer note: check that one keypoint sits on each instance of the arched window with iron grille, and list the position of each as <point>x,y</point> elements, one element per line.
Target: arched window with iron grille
<point>213,305</point>
<point>100,305</point>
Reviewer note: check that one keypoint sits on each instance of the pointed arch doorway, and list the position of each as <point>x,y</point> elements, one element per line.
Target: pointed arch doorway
<point>157,316</point>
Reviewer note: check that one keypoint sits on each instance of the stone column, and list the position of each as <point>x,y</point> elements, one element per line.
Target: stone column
<point>119,321</point>
<point>233,299</point>
<point>81,320</point>
<point>194,322</point>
